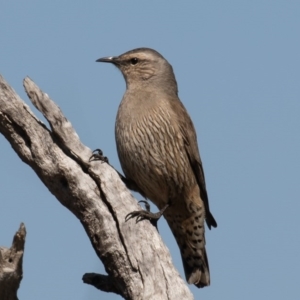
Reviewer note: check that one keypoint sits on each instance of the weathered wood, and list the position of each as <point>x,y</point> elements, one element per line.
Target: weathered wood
<point>11,266</point>
<point>138,263</point>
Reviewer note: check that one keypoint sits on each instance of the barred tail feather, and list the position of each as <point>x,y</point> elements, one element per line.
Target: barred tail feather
<point>197,275</point>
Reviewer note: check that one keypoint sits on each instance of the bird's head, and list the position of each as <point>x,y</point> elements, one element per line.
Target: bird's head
<point>143,66</point>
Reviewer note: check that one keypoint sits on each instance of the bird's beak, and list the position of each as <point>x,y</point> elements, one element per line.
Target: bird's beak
<point>109,59</point>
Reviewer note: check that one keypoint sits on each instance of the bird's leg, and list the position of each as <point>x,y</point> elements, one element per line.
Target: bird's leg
<point>141,215</point>
<point>130,184</point>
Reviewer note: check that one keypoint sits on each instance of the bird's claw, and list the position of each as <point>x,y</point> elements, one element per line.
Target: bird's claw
<point>141,215</point>
<point>147,205</point>
<point>98,155</point>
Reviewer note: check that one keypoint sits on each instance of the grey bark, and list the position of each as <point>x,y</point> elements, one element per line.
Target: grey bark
<point>11,267</point>
<point>136,260</point>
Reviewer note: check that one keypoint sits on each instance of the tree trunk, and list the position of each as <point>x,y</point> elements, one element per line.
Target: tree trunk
<point>137,262</point>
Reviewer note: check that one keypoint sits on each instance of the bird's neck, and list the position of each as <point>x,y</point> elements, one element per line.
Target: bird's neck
<point>158,84</point>
<point>138,102</point>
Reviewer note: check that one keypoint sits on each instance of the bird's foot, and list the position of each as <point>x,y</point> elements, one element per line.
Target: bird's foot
<point>141,215</point>
<point>98,155</point>
<point>130,184</point>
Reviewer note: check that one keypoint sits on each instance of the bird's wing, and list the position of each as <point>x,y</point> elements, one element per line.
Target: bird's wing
<point>191,147</point>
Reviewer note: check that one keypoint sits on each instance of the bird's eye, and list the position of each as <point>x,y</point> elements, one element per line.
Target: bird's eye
<point>134,61</point>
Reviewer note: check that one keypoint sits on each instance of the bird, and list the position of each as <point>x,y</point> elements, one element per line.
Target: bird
<point>158,152</point>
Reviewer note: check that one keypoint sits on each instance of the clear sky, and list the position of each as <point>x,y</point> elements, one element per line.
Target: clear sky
<point>237,64</point>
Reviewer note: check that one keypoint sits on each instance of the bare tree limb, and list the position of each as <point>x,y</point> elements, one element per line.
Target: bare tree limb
<point>138,264</point>
<point>101,282</point>
<point>11,262</point>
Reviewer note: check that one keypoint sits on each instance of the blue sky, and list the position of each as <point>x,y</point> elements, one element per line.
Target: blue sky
<point>237,65</point>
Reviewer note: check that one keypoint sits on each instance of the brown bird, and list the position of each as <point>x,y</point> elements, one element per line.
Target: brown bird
<point>157,148</point>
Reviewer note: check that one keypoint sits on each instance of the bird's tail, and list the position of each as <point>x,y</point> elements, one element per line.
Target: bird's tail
<point>189,235</point>
<point>197,274</point>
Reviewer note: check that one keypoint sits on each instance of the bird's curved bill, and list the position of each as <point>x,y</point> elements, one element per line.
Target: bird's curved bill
<point>109,59</point>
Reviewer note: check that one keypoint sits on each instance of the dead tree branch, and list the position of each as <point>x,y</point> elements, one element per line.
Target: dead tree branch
<point>137,262</point>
